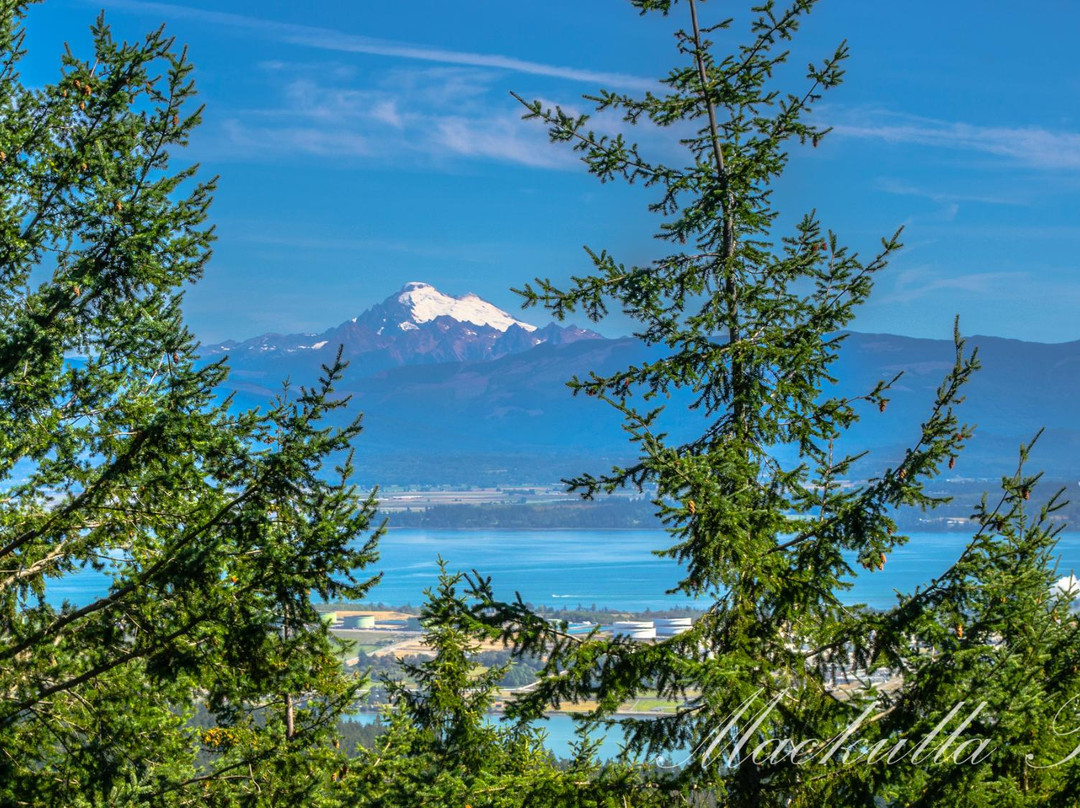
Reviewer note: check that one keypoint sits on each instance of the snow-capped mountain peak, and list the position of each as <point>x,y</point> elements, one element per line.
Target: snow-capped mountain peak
<point>424,303</point>
<point>416,325</point>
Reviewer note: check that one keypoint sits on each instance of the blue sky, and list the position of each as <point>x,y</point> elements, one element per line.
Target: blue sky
<point>362,145</point>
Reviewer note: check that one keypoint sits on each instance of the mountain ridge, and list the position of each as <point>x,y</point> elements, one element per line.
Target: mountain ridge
<point>416,325</point>
<point>473,406</point>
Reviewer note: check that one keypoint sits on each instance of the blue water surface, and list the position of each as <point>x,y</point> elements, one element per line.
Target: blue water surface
<point>609,568</point>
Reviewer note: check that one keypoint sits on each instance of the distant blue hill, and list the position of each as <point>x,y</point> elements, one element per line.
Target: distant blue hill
<point>452,400</point>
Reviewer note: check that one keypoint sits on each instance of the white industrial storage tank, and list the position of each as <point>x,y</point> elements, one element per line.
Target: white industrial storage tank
<point>670,626</point>
<point>634,629</point>
<point>358,621</point>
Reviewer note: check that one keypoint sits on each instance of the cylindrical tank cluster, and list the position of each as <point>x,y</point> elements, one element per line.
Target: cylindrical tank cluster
<point>651,629</point>
<point>670,626</point>
<point>634,629</point>
<point>358,621</point>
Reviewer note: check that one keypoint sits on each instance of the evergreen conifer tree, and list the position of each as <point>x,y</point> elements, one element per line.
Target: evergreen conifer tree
<point>745,316</point>
<point>445,748</point>
<point>210,530</point>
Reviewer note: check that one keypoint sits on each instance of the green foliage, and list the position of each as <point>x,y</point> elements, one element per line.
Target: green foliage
<point>441,748</point>
<point>115,455</point>
<point>748,320</point>
<point>205,676</point>
<point>1002,634</point>
<point>448,698</point>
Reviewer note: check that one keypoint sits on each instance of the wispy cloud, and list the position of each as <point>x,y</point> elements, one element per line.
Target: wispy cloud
<point>329,39</point>
<point>915,283</point>
<point>424,116</point>
<point>436,113</point>
<point>900,188</point>
<point>269,141</point>
<point>1030,146</point>
<point>499,138</point>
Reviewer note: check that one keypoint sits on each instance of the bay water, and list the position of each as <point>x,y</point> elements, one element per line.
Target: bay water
<point>616,569</point>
